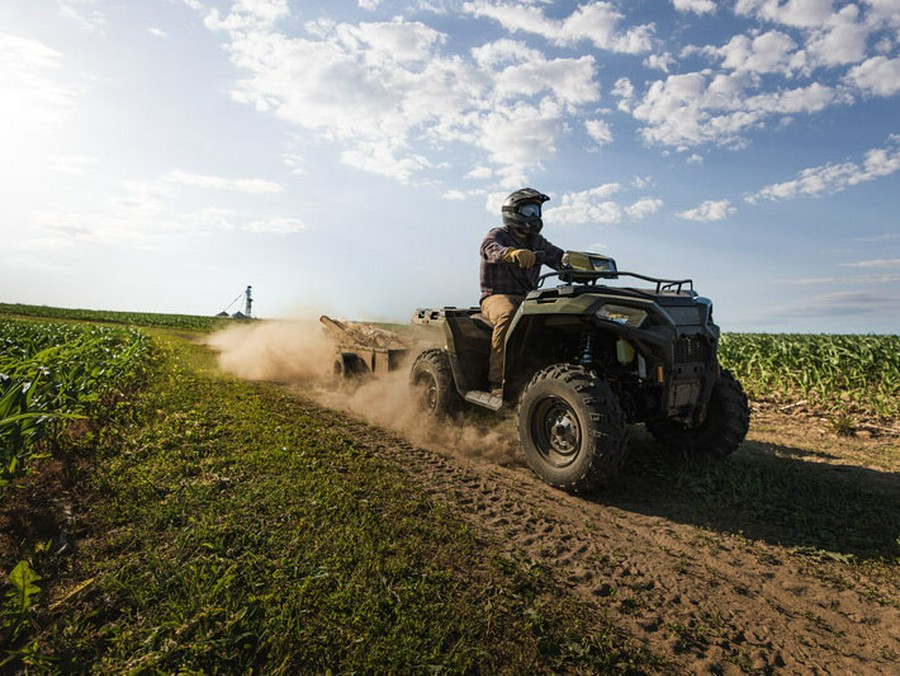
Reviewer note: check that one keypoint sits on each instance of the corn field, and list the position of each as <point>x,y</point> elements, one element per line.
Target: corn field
<point>856,374</point>
<point>186,322</point>
<point>53,373</point>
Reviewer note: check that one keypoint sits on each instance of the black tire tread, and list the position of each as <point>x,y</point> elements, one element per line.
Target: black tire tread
<point>435,362</point>
<point>721,437</point>
<point>607,433</point>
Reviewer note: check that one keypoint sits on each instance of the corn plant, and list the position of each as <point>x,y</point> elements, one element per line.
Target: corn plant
<point>17,602</point>
<point>51,373</point>
<point>836,371</point>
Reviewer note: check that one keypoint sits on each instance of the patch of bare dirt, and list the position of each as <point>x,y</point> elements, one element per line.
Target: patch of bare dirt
<point>712,590</point>
<point>37,509</point>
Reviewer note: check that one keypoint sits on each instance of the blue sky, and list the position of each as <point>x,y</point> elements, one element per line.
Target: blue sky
<point>348,157</point>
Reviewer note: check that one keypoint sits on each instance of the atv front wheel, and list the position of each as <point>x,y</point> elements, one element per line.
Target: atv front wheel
<point>721,428</point>
<point>432,376</point>
<point>572,428</point>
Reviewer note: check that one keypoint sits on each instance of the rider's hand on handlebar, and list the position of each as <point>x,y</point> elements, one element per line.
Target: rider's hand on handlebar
<point>524,257</point>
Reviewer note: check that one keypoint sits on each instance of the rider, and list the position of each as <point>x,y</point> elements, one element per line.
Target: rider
<point>511,259</point>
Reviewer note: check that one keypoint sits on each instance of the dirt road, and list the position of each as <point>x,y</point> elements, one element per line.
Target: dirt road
<point>802,579</point>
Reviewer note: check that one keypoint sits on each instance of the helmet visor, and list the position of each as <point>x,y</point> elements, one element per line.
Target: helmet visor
<point>529,210</point>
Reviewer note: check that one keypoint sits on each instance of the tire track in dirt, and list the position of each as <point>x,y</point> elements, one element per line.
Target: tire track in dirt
<point>708,601</point>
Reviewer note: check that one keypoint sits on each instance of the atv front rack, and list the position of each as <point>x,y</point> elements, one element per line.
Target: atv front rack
<point>590,278</point>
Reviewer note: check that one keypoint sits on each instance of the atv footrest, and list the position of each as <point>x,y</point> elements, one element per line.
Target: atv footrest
<point>485,399</point>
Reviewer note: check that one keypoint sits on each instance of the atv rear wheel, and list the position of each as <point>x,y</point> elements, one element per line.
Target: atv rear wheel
<point>348,366</point>
<point>572,428</point>
<point>432,376</point>
<point>722,428</point>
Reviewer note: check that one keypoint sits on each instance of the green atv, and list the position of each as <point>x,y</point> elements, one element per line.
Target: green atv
<point>585,358</point>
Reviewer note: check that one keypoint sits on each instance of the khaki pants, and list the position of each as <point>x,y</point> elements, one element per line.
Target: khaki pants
<point>499,310</point>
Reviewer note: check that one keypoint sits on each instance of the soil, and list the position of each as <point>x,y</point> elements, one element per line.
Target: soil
<point>709,593</point>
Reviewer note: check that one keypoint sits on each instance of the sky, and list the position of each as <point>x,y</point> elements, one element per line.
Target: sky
<point>348,156</point>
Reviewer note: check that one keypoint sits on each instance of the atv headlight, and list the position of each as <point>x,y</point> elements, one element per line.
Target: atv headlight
<point>583,261</point>
<point>621,314</point>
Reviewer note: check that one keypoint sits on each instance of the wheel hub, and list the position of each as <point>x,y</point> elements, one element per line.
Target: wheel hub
<point>563,435</point>
<point>558,435</point>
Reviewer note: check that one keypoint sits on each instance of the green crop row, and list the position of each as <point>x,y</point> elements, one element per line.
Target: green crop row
<point>52,373</point>
<point>859,373</point>
<point>173,321</point>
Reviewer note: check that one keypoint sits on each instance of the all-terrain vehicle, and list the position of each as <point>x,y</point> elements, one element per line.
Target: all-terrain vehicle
<point>585,358</point>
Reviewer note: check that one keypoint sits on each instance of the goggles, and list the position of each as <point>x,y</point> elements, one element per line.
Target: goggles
<point>529,210</point>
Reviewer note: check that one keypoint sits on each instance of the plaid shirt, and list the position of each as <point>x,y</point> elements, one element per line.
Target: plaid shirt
<point>508,278</point>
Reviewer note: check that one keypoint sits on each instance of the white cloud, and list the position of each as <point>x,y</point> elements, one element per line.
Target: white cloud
<point>278,226</point>
<point>709,211</point>
<point>379,158</point>
<point>597,22</point>
<point>879,76</point>
<point>397,40</point>
<point>701,107</point>
<point>842,41</point>
<point>659,62</point>
<point>145,213</point>
<point>883,11</point>
<point>796,13</point>
<point>248,15</point>
<point>73,164</point>
<point>832,178</point>
<point>644,207</point>
<point>158,32</point>
<point>771,52</point>
<point>381,88</point>
<point>480,173</point>
<point>624,91</point>
<point>832,37</point>
<point>588,206</point>
<point>369,5</point>
<point>875,263</point>
<point>83,12</point>
<point>569,80</point>
<point>520,136</point>
<point>295,162</point>
<point>31,81</point>
<point>695,6</point>
<point>255,186</point>
<point>599,131</point>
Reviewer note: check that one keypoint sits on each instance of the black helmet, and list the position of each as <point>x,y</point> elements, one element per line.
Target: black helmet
<point>522,211</point>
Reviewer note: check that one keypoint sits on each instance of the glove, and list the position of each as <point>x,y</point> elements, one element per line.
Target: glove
<point>524,257</point>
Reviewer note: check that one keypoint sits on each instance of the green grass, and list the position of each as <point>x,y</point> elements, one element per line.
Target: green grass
<point>236,528</point>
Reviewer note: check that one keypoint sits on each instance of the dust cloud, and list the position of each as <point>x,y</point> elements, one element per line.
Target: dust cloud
<point>296,352</point>
<point>299,353</point>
